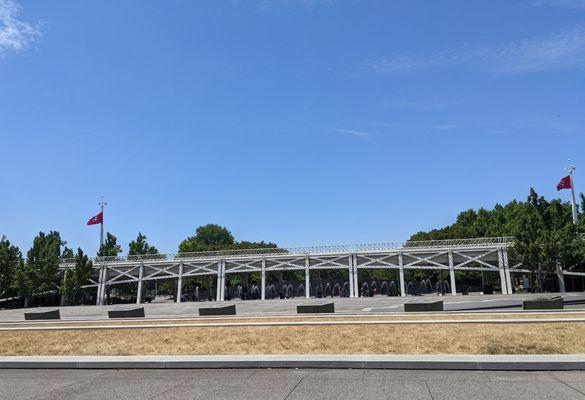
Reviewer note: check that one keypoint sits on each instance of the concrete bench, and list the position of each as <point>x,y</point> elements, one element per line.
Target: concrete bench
<point>32,316</point>
<point>227,310</point>
<point>133,313</point>
<point>424,306</point>
<point>328,308</point>
<point>549,303</point>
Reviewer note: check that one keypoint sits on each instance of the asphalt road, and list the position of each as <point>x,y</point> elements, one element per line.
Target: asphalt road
<point>243,384</point>
<point>368,305</point>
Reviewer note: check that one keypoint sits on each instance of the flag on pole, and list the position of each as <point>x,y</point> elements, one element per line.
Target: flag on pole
<point>96,219</point>
<point>564,183</point>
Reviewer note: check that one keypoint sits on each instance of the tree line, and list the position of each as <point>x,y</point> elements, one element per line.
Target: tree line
<point>36,274</point>
<point>545,239</point>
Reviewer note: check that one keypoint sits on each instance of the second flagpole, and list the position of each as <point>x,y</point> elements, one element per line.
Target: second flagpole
<point>571,168</point>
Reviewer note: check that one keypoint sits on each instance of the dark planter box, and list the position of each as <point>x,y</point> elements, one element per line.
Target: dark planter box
<point>428,306</point>
<point>328,308</point>
<point>134,313</point>
<point>42,315</point>
<point>488,290</point>
<point>227,310</point>
<point>552,303</point>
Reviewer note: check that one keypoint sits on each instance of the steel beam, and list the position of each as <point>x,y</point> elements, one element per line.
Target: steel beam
<point>307,278</point>
<point>452,274</point>
<point>180,283</point>
<point>139,290</point>
<point>350,272</point>
<point>263,283</point>
<point>502,269</point>
<point>401,274</point>
<point>507,270</point>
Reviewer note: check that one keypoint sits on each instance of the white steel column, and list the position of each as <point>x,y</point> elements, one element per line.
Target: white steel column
<point>99,288</point>
<point>218,285</point>
<point>401,274</point>
<point>64,296</point>
<point>222,290</point>
<point>307,278</point>
<point>561,278</point>
<point>140,275</point>
<point>502,268</point>
<point>350,270</point>
<point>452,274</point>
<point>102,298</point>
<point>507,270</point>
<point>180,283</point>
<point>263,284</point>
<point>356,283</point>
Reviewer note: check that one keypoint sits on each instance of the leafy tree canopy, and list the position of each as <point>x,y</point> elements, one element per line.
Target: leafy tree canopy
<point>79,276</point>
<point>141,246</point>
<point>110,248</point>
<point>39,273</point>
<point>10,259</point>
<point>215,237</point>
<point>545,236</point>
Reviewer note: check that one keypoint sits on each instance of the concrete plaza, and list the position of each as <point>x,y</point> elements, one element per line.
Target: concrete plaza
<point>361,305</point>
<point>268,384</point>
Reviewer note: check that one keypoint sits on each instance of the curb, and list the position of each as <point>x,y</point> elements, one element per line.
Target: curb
<point>295,323</point>
<point>334,361</point>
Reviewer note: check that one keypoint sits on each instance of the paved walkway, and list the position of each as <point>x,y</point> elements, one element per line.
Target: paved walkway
<point>369,305</point>
<point>290,384</point>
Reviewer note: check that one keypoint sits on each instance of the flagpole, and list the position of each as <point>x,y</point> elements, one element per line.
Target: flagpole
<point>102,204</point>
<point>571,168</point>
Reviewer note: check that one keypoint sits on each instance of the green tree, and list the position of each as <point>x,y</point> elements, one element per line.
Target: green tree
<point>10,259</point>
<point>39,274</point>
<point>110,248</point>
<point>77,277</point>
<point>208,237</point>
<point>545,236</point>
<point>141,246</point>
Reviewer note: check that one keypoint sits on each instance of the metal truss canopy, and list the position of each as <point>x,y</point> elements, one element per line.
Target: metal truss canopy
<point>478,254</point>
<point>304,250</point>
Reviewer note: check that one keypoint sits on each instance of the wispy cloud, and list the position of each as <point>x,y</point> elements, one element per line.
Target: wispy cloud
<point>420,104</point>
<point>445,127</point>
<point>561,3</point>
<point>564,49</point>
<point>307,4</point>
<point>359,134</point>
<point>15,35</point>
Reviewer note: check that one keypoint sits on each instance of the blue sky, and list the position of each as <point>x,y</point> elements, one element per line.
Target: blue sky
<point>298,122</point>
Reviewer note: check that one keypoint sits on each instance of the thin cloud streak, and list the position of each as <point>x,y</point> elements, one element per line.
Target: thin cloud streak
<point>444,127</point>
<point>306,4</point>
<point>359,134</point>
<point>572,4</point>
<point>15,35</point>
<point>565,49</point>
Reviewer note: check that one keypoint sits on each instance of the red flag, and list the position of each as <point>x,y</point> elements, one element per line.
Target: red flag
<point>96,219</point>
<point>564,183</point>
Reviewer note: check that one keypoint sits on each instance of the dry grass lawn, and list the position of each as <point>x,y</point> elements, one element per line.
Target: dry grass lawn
<point>545,338</point>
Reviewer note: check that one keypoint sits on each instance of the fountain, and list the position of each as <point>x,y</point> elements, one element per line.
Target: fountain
<point>384,288</point>
<point>365,290</point>
<point>301,290</point>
